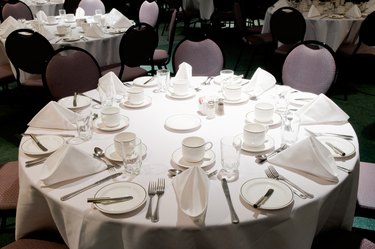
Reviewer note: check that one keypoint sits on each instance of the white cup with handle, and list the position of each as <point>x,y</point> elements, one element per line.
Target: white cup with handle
<point>254,135</point>
<point>194,148</point>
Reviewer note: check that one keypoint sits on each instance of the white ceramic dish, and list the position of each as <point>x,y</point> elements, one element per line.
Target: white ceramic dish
<point>51,142</point>
<point>147,101</point>
<point>268,144</point>
<point>177,158</point>
<point>124,122</point>
<point>140,81</point>
<point>82,102</point>
<point>276,119</point>
<point>244,98</point>
<point>190,94</point>
<point>111,154</point>
<point>343,144</point>
<point>183,122</point>
<point>300,98</point>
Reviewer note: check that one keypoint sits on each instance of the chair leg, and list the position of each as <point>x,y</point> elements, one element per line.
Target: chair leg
<point>239,57</point>
<point>250,63</point>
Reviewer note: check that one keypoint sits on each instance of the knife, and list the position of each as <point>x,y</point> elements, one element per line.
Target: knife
<point>149,80</point>
<point>38,143</point>
<point>35,162</point>
<point>233,214</point>
<point>75,99</point>
<point>263,199</point>
<point>336,149</point>
<point>68,196</point>
<point>96,101</point>
<point>105,200</point>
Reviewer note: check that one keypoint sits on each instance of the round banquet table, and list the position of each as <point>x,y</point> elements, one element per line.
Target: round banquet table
<point>83,226</point>
<point>51,8</point>
<point>332,31</point>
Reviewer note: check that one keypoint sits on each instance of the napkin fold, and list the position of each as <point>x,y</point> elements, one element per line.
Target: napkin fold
<point>116,19</point>
<point>313,12</point>
<point>69,162</point>
<point>41,16</point>
<point>353,12</point>
<point>260,82</point>
<point>191,188</point>
<point>184,72</point>
<point>92,30</point>
<point>54,116</point>
<point>80,13</point>
<point>322,110</point>
<point>370,6</point>
<point>8,26</point>
<point>110,85</point>
<point>310,156</point>
<point>279,4</point>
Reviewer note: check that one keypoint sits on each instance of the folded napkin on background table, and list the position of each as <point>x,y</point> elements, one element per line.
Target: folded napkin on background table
<point>41,16</point>
<point>80,13</point>
<point>313,12</point>
<point>184,72</point>
<point>110,85</point>
<point>322,110</point>
<point>309,156</point>
<point>279,4</point>
<point>260,82</point>
<point>353,12</point>
<point>370,6</point>
<point>8,26</point>
<point>69,162</point>
<point>191,188</point>
<point>116,19</point>
<point>54,116</point>
<point>92,30</point>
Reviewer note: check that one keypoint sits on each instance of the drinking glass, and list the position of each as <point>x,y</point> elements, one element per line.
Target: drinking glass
<point>62,14</point>
<point>83,121</point>
<point>163,77</point>
<point>230,157</point>
<point>131,154</point>
<point>290,127</point>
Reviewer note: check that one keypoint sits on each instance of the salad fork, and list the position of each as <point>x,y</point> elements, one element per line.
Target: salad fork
<point>269,175</point>
<point>159,193</point>
<point>151,192</point>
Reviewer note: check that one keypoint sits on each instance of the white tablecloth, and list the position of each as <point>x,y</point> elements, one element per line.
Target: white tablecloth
<point>205,7</point>
<point>82,226</point>
<point>51,8</point>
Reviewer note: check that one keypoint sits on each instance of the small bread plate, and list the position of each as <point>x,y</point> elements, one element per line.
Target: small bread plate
<point>147,101</point>
<point>51,142</point>
<point>268,144</point>
<point>111,154</point>
<point>177,158</point>
<point>300,98</point>
<point>183,122</point>
<point>124,122</point>
<point>342,144</point>
<point>276,119</point>
<point>189,94</point>
<point>72,38</point>
<point>244,98</point>
<point>253,189</point>
<point>82,102</point>
<point>140,81</point>
<point>117,189</point>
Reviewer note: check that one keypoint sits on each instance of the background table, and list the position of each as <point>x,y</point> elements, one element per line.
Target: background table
<point>51,8</point>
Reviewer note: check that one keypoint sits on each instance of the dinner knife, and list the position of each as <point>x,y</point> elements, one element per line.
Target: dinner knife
<point>264,198</point>
<point>336,149</point>
<point>233,214</point>
<point>68,196</point>
<point>149,80</point>
<point>96,101</point>
<point>109,199</point>
<point>41,146</point>
<point>75,99</point>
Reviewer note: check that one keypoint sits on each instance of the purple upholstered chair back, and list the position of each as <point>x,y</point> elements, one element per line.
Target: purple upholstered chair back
<point>18,10</point>
<point>149,13</point>
<point>205,57</point>
<point>310,67</point>
<point>91,5</point>
<point>70,70</point>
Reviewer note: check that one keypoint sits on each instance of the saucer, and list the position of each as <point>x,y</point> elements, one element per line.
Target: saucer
<point>51,23</point>
<point>269,144</point>
<point>244,98</point>
<point>111,154</point>
<point>276,119</point>
<point>140,81</point>
<point>72,38</point>
<point>191,93</point>
<point>209,159</point>
<point>101,126</point>
<point>147,101</point>
<point>183,122</point>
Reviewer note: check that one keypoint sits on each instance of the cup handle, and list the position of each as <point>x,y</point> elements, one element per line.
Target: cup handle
<point>208,146</point>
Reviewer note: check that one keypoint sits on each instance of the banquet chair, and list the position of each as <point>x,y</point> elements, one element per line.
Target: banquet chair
<point>149,13</point>
<point>310,66</point>
<point>70,6</point>
<point>137,47</point>
<point>71,69</point>
<point>341,239</point>
<point>6,73</point>
<point>91,5</point>
<point>366,195</point>
<point>16,9</point>
<point>205,57</point>
<point>28,51</point>
<point>9,189</point>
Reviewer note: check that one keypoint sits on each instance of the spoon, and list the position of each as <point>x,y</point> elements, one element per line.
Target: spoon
<point>99,153</point>
<point>263,157</point>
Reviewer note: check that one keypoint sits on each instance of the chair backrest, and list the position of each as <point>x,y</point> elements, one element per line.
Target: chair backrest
<point>16,9</point>
<point>172,31</point>
<point>149,13</point>
<point>70,6</point>
<point>238,18</point>
<point>28,51</point>
<point>288,25</point>
<point>366,32</point>
<point>137,46</point>
<point>91,5</point>
<point>310,66</point>
<point>71,69</point>
<point>205,57</point>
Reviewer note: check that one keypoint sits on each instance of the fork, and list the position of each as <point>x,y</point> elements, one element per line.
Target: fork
<point>269,175</point>
<point>282,178</point>
<point>151,192</point>
<point>159,193</point>
<point>347,137</point>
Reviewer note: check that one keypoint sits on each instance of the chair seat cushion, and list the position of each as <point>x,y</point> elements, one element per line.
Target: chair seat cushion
<point>34,244</point>
<point>6,73</point>
<point>366,186</point>
<point>9,186</point>
<point>160,56</point>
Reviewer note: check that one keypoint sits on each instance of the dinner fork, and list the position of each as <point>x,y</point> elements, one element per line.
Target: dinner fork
<point>159,193</point>
<point>269,175</point>
<point>151,192</point>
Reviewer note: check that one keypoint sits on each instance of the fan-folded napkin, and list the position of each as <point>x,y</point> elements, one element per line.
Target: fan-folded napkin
<point>322,110</point>
<point>309,156</point>
<point>80,13</point>
<point>353,12</point>
<point>92,30</point>
<point>110,85</point>
<point>370,6</point>
<point>260,82</point>
<point>191,188</point>
<point>313,12</point>
<point>116,19</point>
<point>41,16</point>
<point>69,162</point>
<point>8,26</point>
<point>184,72</point>
<point>54,116</point>
<point>279,4</point>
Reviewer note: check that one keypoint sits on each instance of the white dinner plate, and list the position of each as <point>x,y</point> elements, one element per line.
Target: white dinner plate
<point>51,23</point>
<point>177,158</point>
<point>72,39</point>
<point>183,122</point>
<point>300,98</point>
<point>190,94</point>
<point>82,102</point>
<point>124,121</point>
<point>343,144</point>
<point>111,154</point>
<point>276,119</point>
<point>51,142</point>
<point>268,144</point>
<point>140,81</point>
<point>244,98</point>
<point>147,101</point>
<point>254,189</point>
<point>118,189</point>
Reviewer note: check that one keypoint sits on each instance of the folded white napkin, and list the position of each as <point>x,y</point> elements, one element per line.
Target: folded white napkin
<point>41,16</point>
<point>80,13</point>
<point>92,30</point>
<point>313,12</point>
<point>322,110</point>
<point>370,6</point>
<point>46,33</point>
<point>353,12</point>
<point>8,26</point>
<point>111,85</point>
<point>67,163</point>
<point>260,82</point>
<point>279,4</point>
<point>184,72</point>
<point>191,188</point>
<point>54,116</point>
<point>309,156</point>
<point>116,19</point>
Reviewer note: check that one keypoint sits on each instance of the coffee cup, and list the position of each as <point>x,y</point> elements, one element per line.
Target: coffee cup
<point>136,95</point>
<point>110,116</point>
<point>232,91</point>
<point>180,87</point>
<point>254,135</point>
<point>263,112</point>
<point>51,19</point>
<point>122,141</point>
<point>70,18</point>
<point>226,74</point>
<point>62,29</point>
<point>194,148</point>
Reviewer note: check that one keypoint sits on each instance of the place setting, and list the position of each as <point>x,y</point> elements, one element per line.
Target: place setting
<point>146,81</point>
<point>265,114</point>
<point>233,94</point>
<point>40,145</point>
<point>179,89</point>
<point>255,138</point>
<point>110,119</point>
<point>75,102</point>
<point>113,151</point>
<point>136,98</point>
